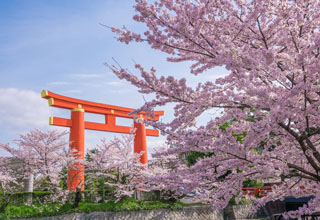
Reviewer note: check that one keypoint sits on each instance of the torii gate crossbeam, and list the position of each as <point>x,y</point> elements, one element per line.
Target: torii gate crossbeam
<point>77,127</point>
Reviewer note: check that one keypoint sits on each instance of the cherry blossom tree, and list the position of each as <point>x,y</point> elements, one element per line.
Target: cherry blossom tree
<point>160,175</point>
<point>117,164</point>
<point>270,96</point>
<point>8,183</point>
<point>42,155</point>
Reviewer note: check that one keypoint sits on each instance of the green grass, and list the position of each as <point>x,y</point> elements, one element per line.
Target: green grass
<point>128,205</point>
<point>51,209</point>
<point>34,210</point>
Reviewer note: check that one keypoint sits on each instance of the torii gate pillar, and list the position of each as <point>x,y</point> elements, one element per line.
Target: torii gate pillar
<point>140,141</point>
<point>76,171</point>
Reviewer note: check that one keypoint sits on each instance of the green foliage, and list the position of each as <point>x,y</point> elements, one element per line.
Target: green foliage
<point>225,125</point>
<point>153,195</point>
<point>247,183</point>
<point>88,195</point>
<point>90,207</point>
<point>252,183</point>
<point>98,186</point>
<point>65,208</point>
<point>4,216</point>
<point>35,210</point>
<point>94,151</point>
<point>4,202</point>
<point>240,137</point>
<point>63,178</point>
<point>176,205</point>
<point>243,201</point>
<point>19,198</point>
<point>135,205</point>
<point>51,209</point>
<point>193,156</point>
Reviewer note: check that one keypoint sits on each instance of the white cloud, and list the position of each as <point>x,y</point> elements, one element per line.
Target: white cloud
<point>20,112</point>
<point>23,110</point>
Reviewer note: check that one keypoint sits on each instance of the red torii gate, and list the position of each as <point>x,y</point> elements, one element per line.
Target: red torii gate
<point>77,126</point>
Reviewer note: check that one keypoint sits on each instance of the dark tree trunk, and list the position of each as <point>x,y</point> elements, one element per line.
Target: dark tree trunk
<point>77,198</point>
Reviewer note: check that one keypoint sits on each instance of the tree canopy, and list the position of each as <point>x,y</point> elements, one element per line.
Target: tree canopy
<point>271,50</point>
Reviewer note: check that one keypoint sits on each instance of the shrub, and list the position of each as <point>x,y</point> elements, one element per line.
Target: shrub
<point>50,209</point>
<point>20,198</point>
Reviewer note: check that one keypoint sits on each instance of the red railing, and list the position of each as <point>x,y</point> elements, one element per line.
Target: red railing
<point>260,191</point>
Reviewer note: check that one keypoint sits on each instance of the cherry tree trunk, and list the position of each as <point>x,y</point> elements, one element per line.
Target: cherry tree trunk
<point>28,187</point>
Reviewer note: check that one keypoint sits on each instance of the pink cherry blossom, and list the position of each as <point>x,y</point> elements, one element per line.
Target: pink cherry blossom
<point>271,94</point>
<point>116,162</point>
<point>42,155</point>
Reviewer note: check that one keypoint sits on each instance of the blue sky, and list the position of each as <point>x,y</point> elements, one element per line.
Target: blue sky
<point>61,46</point>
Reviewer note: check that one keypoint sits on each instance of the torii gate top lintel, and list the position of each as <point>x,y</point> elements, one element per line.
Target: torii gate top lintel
<point>110,112</point>
<point>60,101</point>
